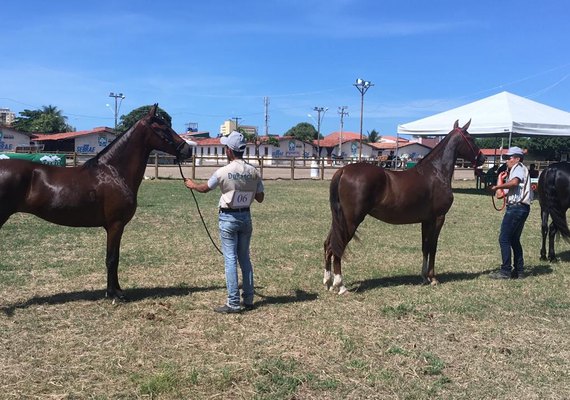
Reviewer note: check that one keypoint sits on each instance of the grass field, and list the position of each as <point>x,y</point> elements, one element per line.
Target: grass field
<point>390,338</point>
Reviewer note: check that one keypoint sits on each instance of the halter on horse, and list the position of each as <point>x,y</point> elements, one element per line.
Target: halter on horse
<point>418,195</point>
<point>101,192</point>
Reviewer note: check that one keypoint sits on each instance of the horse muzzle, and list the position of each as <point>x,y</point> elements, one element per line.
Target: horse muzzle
<point>185,150</point>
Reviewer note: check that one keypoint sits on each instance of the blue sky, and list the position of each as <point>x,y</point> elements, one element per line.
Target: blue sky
<point>208,61</point>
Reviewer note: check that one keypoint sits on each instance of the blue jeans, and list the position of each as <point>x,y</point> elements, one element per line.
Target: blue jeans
<point>510,237</point>
<point>235,236</point>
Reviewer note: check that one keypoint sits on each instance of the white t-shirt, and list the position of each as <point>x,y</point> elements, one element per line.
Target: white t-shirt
<point>522,192</point>
<point>239,182</point>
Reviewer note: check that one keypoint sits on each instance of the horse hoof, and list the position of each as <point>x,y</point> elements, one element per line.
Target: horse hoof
<point>434,282</point>
<point>343,291</point>
<point>117,297</point>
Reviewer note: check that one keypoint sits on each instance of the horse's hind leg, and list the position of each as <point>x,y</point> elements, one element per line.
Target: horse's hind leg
<point>552,231</point>
<point>338,284</point>
<point>544,230</point>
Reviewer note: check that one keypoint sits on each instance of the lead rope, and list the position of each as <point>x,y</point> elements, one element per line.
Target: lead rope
<point>199,212</point>
<point>495,205</point>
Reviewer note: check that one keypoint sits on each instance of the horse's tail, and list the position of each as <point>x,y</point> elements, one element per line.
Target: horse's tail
<point>338,235</point>
<point>552,204</point>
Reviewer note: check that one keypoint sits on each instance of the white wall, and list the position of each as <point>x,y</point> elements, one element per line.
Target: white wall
<point>94,143</point>
<point>9,139</point>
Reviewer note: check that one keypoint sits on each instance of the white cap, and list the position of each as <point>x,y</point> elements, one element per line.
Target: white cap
<point>234,141</point>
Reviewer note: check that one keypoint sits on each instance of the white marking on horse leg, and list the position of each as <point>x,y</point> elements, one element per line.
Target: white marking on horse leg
<point>327,279</point>
<point>338,284</point>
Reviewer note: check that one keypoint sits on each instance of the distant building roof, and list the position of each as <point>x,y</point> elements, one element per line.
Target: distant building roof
<point>389,145</point>
<point>71,135</point>
<point>333,139</point>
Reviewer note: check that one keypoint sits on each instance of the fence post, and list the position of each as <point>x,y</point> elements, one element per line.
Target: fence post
<point>292,168</point>
<point>322,169</point>
<point>194,167</point>
<point>155,166</point>
<point>261,161</point>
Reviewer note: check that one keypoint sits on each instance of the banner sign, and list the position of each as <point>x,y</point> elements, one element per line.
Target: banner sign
<point>42,158</point>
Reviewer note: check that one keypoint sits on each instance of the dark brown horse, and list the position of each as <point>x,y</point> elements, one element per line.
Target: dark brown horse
<point>420,194</point>
<point>554,198</point>
<point>101,192</point>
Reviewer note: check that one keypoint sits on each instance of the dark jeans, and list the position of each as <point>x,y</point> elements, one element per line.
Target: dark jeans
<point>510,237</point>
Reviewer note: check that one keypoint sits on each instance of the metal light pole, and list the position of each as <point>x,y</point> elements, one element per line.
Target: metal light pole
<point>117,105</point>
<point>319,110</point>
<point>362,87</point>
<point>342,112</point>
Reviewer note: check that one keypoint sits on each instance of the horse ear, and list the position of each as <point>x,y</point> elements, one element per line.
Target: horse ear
<point>152,110</point>
<point>456,125</point>
<point>466,125</point>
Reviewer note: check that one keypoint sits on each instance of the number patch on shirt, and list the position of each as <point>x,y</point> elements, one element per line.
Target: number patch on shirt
<point>242,199</point>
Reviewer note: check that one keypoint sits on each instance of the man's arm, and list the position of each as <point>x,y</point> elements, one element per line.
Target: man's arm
<point>199,187</point>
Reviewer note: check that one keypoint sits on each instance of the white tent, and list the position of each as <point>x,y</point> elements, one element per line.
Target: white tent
<point>503,114</point>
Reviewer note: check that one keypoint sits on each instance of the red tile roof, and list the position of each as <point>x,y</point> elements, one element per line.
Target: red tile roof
<point>333,139</point>
<point>70,135</point>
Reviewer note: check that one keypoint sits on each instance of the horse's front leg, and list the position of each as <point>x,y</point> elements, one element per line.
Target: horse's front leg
<point>430,236</point>
<point>327,275</point>
<point>114,234</point>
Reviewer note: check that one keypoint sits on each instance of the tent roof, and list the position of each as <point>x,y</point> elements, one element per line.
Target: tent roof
<point>503,114</point>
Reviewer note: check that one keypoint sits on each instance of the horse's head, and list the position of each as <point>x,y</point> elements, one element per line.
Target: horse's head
<point>467,148</point>
<point>164,138</point>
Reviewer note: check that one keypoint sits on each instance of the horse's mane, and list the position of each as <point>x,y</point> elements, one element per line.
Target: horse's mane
<point>445,139</point>
<point>94,161</point>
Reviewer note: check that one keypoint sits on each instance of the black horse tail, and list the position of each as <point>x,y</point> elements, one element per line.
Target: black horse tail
<point>552,203</point>
<point>338,235</point>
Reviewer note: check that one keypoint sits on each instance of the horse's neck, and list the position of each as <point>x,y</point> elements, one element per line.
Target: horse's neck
<point>443,157</point>
<point>128,156</point>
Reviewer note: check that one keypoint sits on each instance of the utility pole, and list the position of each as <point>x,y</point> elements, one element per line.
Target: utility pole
<point>117,105</point>
<point>266,108</point>
<point>319,110</point>
<point>342,113</point>
<point>237,119</point>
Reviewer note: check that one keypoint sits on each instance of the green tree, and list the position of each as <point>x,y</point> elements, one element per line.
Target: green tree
<point>303,131</point>
<point>46,120</point>
<point>373,136</point>
<point>126,121</point>
<point>549,148</point>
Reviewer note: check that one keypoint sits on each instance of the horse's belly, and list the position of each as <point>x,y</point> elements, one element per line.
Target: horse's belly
<point>66,207</point>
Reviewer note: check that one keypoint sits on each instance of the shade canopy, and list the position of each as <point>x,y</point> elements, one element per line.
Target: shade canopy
<point>503,114</point>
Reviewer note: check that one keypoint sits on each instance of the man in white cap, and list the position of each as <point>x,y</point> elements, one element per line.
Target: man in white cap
<point>240,183</point>
<point>514,184</point>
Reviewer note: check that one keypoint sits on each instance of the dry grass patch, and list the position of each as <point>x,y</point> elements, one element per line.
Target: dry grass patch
<point>390,338</point>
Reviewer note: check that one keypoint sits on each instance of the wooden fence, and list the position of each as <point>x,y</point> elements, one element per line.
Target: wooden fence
<point>201,167</point>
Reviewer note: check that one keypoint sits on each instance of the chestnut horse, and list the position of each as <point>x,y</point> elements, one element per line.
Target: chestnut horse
<point>101,192</point>
<point>554,198</point>
<point>420,194</point>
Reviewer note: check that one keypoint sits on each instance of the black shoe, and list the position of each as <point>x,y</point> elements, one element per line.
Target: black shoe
<point>225,309</point>
<point>518,275</point>
<point>499,275</point>
<point>249,307</point>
